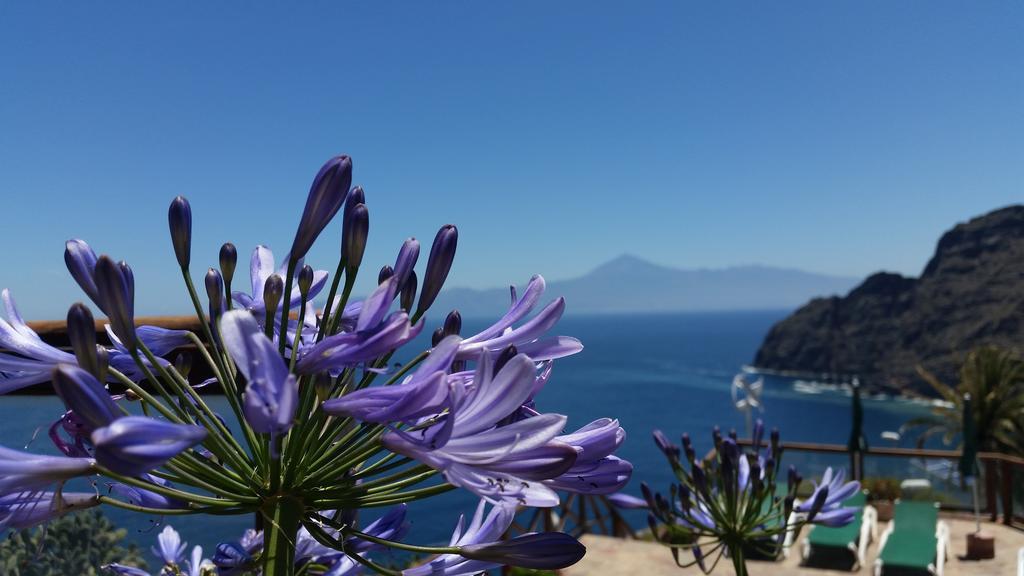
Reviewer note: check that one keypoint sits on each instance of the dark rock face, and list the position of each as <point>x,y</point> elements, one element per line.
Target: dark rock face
<point>970,293</point>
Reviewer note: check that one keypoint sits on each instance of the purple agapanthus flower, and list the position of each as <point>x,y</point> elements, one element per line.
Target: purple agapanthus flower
<point>481,529</point>
<point>123,570</point>
<point>33,360</point>
<point>261,267</point>
<point>391,526</point>
<point>146,498</point>
<point>169,546</point>
<point>271,394</point>
<point>375,334</point>
<point>159,341</point>
<point>171,552</point>
<point>24,472</point>
<point>527,338</point>
<point>231,558</point>
<point>824,506</point>
<point>326,196</point>
<point>115,282</point>
<point>596,470</point>
<point>545,551</point>
<point>423,393</point>
<point>134,445</point>
<point>83,395</point>
<point>496,463</point>
<point>27,509</point>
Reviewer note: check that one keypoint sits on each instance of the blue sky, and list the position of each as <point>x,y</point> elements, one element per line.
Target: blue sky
<point>838,137</point>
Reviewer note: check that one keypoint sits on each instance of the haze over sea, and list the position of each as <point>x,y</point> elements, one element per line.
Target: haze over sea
<point>667,371</point>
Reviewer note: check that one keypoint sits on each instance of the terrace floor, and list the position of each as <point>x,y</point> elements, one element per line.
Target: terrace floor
<point>607,555</point>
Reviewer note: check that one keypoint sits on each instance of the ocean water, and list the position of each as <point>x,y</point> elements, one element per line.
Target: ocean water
<point>665,371</point>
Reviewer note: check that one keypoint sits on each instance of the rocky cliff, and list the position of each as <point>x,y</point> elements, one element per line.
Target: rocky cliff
<point>970,293</point>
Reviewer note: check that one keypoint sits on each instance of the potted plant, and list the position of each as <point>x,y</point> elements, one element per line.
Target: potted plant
<point>882,493</point>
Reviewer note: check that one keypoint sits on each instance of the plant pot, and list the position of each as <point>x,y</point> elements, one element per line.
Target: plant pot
<point>981,546</point>
<point>884,509</point>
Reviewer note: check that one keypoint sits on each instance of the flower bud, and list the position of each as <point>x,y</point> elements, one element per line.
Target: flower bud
<point>453,323</point>
<point>183,364</point>
<point>436,337</point>
<point>442,253</point>
<point>684,497</point>
<point>652,524</point>
<point>758,434</point>
<point>326,196</point>
<point>116,286</point>
<point>408,294</point>
<point>820,496</point>
<point>353,241</point>
<point>506,354</point>
<point>215,292</point>
<point>179,219</point>
<point>385,273</point>
<point>228,259</point>
<point>670,450</point>
<point>273,291</point>
<point>700,480</point>
<point>82,334</point>
<point>355,196</point>
<point>84,395</point>
<point>305,280</point>
<point>81,262</point>
<point>542,551</point>
<point>135,445</point>
<point>645,490</point>
<point>408,254</point>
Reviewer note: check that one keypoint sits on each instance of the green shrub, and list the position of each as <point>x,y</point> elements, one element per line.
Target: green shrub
<point>75,544</point>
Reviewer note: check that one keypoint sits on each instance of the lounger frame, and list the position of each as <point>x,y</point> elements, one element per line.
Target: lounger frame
<point>859,549</point>
<point>941,548</point>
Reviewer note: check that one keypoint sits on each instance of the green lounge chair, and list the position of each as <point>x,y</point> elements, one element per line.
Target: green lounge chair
<point>853,538</point>
<point>915,541</point>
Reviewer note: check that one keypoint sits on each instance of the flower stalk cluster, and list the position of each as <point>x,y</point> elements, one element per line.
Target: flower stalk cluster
<point>323,427</point>
<point>731,503</point>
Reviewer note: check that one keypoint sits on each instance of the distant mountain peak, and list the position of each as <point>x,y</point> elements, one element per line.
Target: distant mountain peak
<point>626,264</point>
<point>629,283</point>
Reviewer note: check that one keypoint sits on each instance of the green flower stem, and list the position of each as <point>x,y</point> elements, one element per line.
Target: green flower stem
<point>298,337</point>
<point>390,483</point>
<point>386,499</point>
<point>382,465</point>
<point>217,364</point>
<point>329,449</point>
<point>350,282</point>
<point>348,531</point>
<point>182,415</point>
<point>236,499</point>
<point>321,536</point>
<point>144,395</point>
<point>203,469</point>
<point>736,554</point>
<point>209,475</point>
<point>231,393</point>
<point>203,320</point>
<point>221,436</point>
<point>352,457</point>
<point>159,511</point>
<point>214,488</point>
<point>408,366</point>
<point>280,532</point>
<point>286,304</point>
<point>330,297</point>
